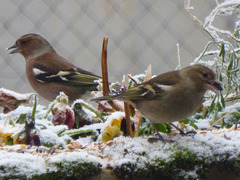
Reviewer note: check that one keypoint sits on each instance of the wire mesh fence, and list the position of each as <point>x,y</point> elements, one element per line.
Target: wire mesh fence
<point>141,32</point>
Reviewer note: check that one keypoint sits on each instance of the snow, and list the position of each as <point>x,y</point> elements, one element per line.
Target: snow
<point>21,163</point>
<point>18,96</point>
<point>120,150</point>
<point>114,115</point>
<point>114,153</point>
<point>85,141</point>
<point>48,137</point>
<point>73,156</point>
<point>207,142</point>
<point>203,123</point>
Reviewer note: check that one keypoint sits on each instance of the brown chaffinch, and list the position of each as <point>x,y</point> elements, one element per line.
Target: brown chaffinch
<point>49,73</point>
<point>172,96</point>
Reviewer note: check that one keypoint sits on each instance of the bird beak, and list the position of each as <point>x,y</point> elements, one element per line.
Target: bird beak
<point>16,49</point>
<point>214,85</point>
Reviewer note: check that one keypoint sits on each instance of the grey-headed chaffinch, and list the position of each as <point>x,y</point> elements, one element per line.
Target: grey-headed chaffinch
<point>172,96</point>
<point>49,73</point>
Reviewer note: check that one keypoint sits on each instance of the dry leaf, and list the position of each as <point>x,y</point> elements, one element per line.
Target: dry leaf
<point>10,100</point>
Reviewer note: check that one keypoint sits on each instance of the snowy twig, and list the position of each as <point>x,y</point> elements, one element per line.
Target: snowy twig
<point>179,66</point>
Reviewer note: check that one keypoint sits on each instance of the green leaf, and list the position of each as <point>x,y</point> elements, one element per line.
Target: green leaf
<point>230,65</point>
<point>219,107</point>
<point>220,77</point>
<point>212,106</point>
<point>185,121</point>
<point>22,119</point>
<point>222,51</point>
<point>168,127</point>
<point>161,127</point>
<point>34,107</point>
<point>75,134</point>
<point>222,100</point>
<point>193,125</point>
<point>10,141</point>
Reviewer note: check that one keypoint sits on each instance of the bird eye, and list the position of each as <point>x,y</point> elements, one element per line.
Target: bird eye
<point>23,42</point>
<point>205,74</point>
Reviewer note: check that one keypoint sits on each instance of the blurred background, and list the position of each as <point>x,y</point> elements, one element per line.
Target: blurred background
<point>141,32</point>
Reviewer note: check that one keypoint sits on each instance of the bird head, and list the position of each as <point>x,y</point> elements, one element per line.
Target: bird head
<point>203,77</point>
<point>30,45</point>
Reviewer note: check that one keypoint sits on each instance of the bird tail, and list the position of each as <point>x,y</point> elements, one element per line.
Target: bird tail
<point>103,98</point>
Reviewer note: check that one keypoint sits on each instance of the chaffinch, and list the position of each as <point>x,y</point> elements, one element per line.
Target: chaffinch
<point>49,73</point>
<point>172,96</point>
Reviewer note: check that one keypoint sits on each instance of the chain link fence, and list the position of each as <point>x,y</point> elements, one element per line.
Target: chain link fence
<point>141,32</point>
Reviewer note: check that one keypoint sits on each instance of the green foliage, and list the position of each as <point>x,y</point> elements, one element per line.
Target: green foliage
<point>221,53</point>
<point>77,133</point>
<point>163,127</point>
<point>22,118</point>
<point>146,128</point>
<point>188,121</point>
<point>228,119</point>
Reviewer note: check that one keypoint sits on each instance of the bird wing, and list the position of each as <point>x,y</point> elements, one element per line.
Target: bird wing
<point>73,76</point>
<point>144,92</point>
<point>155,88</point>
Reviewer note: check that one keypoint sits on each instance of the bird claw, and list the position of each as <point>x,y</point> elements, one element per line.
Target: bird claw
<point>190,133</point>
<point>154,139</point>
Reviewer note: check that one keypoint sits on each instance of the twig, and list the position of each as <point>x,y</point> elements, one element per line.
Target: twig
<point>128,120</point>
<point>186,5</point>
<point>220,119</point>
<point>105,82</point>
<point>148,73</point>
<point>232,98</point>
<point>179,66</point>
<point>204,51</point>
<point>127,115</point>
<point>130,77</point>
<point>137,114</point>
<point>93,110</point>
<point>138,122</point>
<point>51,105</point>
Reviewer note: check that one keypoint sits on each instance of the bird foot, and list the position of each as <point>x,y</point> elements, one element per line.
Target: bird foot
<point>190,133</point>
<point>154,139</point>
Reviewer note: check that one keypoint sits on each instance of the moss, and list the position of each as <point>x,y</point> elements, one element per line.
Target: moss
<point>131,171</point>
<point>230,167</point>
<point>10,172</point>
<point>74,170</point>
<point>183,164</point>
<point>64,170</point>
<point>182,161</point>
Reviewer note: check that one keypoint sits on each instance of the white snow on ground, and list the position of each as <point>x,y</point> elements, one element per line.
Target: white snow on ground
<point>113,153</point>
<point>22,164</point>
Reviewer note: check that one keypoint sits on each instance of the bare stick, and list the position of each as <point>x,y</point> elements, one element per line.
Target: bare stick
<point>137,115</point>
<point>130,77</point>
<point>128,120</point>
<point>127,114</point>
<point>138,121</point>
<point>179,66</point>
<point>105,82</point>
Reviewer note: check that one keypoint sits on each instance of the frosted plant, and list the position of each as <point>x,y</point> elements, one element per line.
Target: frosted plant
<point>222,52</point>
